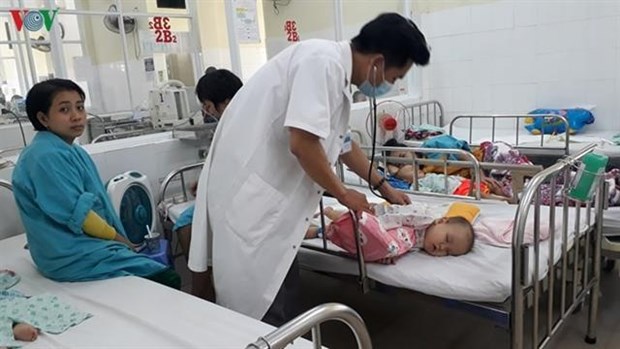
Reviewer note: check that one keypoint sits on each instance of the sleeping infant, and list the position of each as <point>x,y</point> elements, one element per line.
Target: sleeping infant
<point>395,230</point>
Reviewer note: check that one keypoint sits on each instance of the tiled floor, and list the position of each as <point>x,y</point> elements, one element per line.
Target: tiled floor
<point>399,320</point>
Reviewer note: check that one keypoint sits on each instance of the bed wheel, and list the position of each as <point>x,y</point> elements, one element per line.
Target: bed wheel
<point>590,340</point>
<point>609,264</point>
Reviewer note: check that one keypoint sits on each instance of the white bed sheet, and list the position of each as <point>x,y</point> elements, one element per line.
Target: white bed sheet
<point>175,211</point>
<point>132,312</point>
<point>611,221</point>
<point>577,142</point>
<point>482,275</point>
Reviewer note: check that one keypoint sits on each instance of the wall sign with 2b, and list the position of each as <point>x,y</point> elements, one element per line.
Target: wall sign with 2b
<point>161,27</point>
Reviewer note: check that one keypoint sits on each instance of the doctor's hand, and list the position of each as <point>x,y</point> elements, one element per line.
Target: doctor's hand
<point>355,201</point>
<point>394,196</point>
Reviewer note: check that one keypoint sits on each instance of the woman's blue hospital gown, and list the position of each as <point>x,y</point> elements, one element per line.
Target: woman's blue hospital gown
<point>55,186</point>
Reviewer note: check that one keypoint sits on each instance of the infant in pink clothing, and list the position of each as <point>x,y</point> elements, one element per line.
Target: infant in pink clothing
<point>395,230</point>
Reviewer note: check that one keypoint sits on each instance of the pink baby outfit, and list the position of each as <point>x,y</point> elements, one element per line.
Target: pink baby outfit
<point>394,231</point>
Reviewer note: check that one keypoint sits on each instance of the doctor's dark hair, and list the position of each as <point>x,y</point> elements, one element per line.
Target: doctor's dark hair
<point>41,96</point>
<point>397,38</point>
<point>217,86</point>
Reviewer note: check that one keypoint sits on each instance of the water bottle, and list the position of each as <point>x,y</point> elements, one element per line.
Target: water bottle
<point>592,166</point>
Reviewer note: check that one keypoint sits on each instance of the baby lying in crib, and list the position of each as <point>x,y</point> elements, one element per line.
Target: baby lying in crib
<point>436,183</point>
<point>395,230</point>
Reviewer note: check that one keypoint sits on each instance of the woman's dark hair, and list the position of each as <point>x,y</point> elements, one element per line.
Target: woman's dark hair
<point>217,86</point>
<point>397,38</point>
<point>41,96</point>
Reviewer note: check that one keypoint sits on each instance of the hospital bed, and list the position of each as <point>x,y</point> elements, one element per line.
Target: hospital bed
<point>476,129</point>
<point>466,161</point>
<point>510,128</point>
<point>425,112</point>
<point>174,198</point>
<point>529,290</point>
<point>132,312</point>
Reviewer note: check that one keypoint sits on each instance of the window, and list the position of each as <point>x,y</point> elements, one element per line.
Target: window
<point>117,58</point>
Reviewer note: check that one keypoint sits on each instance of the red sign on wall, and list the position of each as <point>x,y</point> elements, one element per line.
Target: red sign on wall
<point>161,27</point>
<point>290,28</point>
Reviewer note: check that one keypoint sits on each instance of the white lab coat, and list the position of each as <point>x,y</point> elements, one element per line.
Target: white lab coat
<point>254,200</point>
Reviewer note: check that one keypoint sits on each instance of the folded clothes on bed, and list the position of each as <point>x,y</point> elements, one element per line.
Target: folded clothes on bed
<point>499,231</point>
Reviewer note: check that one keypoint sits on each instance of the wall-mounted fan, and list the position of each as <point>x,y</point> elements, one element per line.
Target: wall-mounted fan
<point>42,44</point>
<point>112,24</point>
<point>391,116</point>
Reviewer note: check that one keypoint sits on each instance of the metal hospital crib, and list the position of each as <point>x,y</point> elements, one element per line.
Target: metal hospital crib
<point>484,127</point>
<point>466,161</point>
<point>548,281</point>
<point>169,207</point>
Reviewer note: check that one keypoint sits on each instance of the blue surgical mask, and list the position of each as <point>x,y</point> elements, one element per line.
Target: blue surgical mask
<point>375,91</point>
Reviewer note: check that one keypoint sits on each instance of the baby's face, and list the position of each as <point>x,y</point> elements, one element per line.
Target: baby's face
<point>445,239</point>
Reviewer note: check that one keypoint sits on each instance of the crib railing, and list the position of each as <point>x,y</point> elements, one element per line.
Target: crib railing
<point>579,281</point>
<point>6,184</point>
<point>427,112</point>
<point>477,120</point>
<point>466,161</point>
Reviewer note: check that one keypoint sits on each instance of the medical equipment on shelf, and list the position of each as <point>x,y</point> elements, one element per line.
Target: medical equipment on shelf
<point>169,105</point>
<point>102,128</point>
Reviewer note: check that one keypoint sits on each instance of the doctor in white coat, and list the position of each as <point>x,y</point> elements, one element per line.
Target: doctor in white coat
<point>272,158</point>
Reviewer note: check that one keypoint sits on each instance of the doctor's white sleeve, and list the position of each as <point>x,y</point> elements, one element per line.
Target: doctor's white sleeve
<point>315,84</point>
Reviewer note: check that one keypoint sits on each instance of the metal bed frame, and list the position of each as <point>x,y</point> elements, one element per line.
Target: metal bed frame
<point>517,118</point>
<point>427,112</point>
<point>311,321</point>
<point>575,276</point>
<point>467,160</point>
<point>163,200</point>
<point>6,184</point>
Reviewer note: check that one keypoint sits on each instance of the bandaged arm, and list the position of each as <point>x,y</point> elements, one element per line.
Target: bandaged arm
<point>97,227</point>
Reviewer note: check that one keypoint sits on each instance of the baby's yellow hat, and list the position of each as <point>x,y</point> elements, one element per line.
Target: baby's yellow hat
<point>465,210</point>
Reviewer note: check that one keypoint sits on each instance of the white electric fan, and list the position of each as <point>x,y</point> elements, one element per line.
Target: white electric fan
<point>391,121</point>
<point>131,197</point>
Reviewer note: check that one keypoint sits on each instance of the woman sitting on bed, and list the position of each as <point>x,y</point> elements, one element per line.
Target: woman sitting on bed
<point>403,175</point>
<point>73,231</point>
<point>395,230</point>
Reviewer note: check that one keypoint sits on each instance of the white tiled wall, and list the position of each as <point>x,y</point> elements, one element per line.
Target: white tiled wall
<point>515,56</point>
